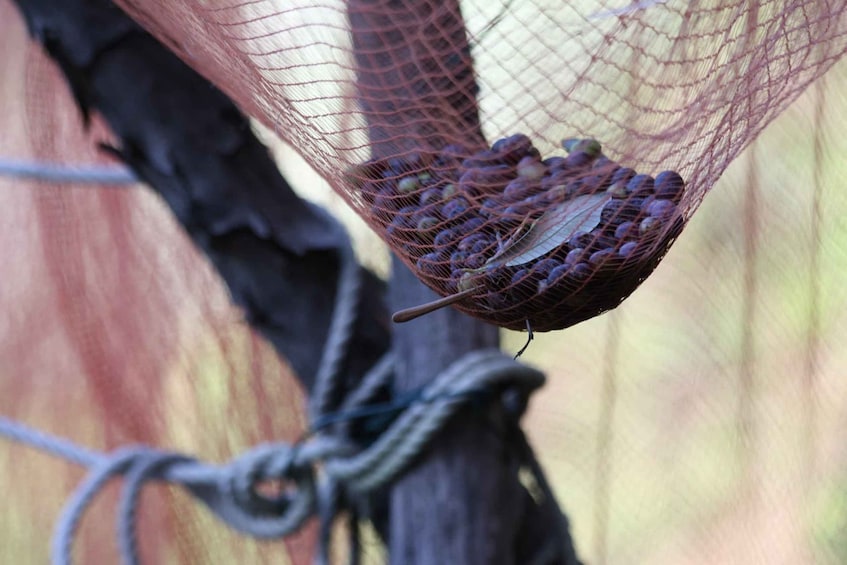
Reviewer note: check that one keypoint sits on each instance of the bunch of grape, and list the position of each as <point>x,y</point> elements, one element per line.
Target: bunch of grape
<point>519,239</point>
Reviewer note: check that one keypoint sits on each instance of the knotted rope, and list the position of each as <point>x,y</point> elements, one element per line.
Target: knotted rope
<point>230,490</point>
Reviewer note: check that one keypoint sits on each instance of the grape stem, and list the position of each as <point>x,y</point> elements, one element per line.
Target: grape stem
<point>409,314</point>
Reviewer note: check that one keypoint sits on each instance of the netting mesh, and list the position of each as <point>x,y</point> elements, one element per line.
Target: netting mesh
<point>115,331</point>
<point>701,424</point>
<point>516,232</point>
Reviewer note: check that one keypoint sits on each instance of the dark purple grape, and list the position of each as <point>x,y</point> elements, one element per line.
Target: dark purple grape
<point>444,237</point>
<point>537,201</point>
<point>472,225</point>
<point>505,224</point>
<point>429,196</point>
<point>481,246</point>
<point>495,175</point>
<point>484,179</point>
<point>604,166</point>
<point>625,229</point>
<point>575,188</point>
<point>490,207</point>
<point>519,276</point>
<point>661,209</point>
<point>518,189</point>
<point>457,259</point>
<point>640,185</point>
<point>578,159</point>
<point>669,185</point>
<point>580,271</point>
<point>627,248</point>
<point>496,300</point>
<point>601,241</point>
<point>557,273</point>
<point>475,261</point>
<point>594,183</point>
<point>468,241</point>
<point>580,239</point>
<point>454,151</point>
<point>402,225</point>
<point>429,264</point>
<point>601,256</point>
<point>455,208</point>
<point>426,224</point>
<point>398,165</point>
<point>414,160</point>
<point>480,159</point>
<point>556,179</point>
<point>517,211</point>
<point>611,211</point>
<point>385,200</point>
<point>544,266</point>
<point>511,149</point>
<point>645,204</point>
<point>623,175</point>
<point>631,210</point>
<point>408,211</point>
<point>555,164</point>
<point>649,225</point>
<point>574,256</point>
<point>531,168</point>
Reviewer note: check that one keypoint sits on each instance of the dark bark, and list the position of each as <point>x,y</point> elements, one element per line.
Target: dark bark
<point>462,503</point>
<point>278,254</point>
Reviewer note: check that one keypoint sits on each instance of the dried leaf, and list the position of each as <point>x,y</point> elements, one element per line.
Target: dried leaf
<point>553,229</point>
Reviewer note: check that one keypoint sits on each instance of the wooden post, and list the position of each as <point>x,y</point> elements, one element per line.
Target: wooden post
<point>462,502</point>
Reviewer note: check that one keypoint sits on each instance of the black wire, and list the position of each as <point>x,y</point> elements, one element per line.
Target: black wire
<point>530,336</point>
<point>395,406</point>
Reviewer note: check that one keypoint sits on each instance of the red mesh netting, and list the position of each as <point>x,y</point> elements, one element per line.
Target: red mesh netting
<point>701,423</point>
<point>114,331</point>
<point>516,232</point>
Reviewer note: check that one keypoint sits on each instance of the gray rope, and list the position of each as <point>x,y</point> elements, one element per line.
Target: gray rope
<point>340,333</point>
<point>49,172</point>
<point>230,490</point>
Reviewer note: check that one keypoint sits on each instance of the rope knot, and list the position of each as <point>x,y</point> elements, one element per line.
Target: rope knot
<point>268,479</point>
